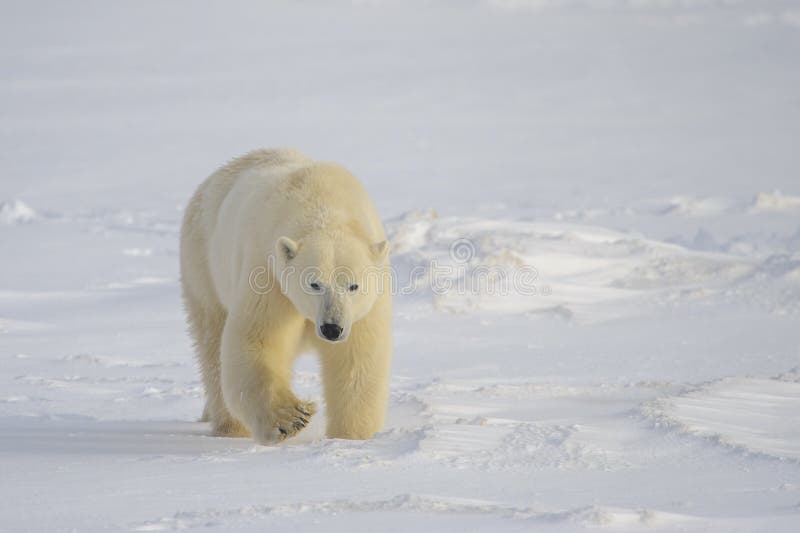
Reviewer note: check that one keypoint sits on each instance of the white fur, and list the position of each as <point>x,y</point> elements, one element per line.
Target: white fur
<point>304,214</point>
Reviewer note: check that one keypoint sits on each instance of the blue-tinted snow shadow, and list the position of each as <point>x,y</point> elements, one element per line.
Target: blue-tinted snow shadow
<point>79,435</point>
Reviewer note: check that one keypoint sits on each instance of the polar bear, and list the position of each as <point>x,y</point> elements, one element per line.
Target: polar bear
<point>281,255</point>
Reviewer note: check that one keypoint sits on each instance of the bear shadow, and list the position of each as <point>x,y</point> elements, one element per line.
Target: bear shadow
<point>70,434</point>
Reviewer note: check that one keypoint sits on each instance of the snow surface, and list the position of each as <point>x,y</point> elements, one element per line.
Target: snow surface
<point>639,157</point>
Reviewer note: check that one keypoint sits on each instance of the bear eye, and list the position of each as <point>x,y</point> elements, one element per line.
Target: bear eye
<point>353,287</point>
<point>314,286</point>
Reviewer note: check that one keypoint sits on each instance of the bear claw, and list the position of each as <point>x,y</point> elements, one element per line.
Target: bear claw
<point>289,424</point>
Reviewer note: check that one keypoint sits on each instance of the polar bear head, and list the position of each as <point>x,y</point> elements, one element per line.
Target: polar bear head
<point>332,279</point>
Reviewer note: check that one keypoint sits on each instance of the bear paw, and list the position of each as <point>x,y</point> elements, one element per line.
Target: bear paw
<point>285,419</point>
<point>291,418</point>
<point>229,427</point>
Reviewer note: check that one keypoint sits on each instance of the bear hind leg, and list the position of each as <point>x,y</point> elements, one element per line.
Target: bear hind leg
<point>206,328</point>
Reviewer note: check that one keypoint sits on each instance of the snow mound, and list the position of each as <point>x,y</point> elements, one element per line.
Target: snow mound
<point>420,504</point>
<point>766,202</point>
<point>693,207</point>
<point>690,207</point>
<point>568,270</point>
<point>599,516</point>
<point>758,415</point>
<point>16,212</point>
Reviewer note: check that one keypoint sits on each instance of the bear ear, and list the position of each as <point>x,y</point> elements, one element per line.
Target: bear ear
<point>380,249</point>
<point>286,248</point>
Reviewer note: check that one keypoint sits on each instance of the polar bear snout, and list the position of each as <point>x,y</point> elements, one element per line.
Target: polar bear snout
<point>331,332</point>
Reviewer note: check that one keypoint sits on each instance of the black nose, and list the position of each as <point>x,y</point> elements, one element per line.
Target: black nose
<point>330,331</point>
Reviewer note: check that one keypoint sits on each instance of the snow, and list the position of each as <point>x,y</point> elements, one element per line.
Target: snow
<point>775,202</point>
<point>636,161</point>
<point>756,414</point>
<point>16,212</point>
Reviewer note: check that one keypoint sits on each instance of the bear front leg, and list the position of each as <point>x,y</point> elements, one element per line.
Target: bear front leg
<point>355,378</point>
<point>256,366</point>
